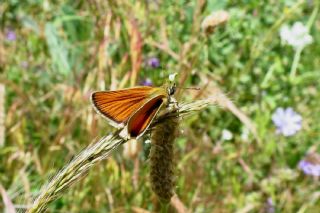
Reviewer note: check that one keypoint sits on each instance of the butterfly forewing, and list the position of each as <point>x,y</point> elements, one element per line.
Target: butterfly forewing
<point>118,106</point>
<point>142,118</point>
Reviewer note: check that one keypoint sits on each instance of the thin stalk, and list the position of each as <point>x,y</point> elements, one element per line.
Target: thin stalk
<point>295,63</point>
<point>164,207</point>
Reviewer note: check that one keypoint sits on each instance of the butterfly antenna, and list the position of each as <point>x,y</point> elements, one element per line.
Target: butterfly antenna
<point>192,88</point>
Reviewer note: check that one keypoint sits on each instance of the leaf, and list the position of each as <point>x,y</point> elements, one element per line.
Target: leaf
<point>57,49</point>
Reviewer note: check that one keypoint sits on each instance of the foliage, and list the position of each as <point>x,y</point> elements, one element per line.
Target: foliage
<point>53,54</point>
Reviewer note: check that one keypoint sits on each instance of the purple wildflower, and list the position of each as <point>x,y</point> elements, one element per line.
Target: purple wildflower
<point>311,165</point>
<point>287,121</point>
<point>147,82</point>
<point>11,35</point>
<point>153,62</point>
<point>24,64</point>
<point>269,206</point>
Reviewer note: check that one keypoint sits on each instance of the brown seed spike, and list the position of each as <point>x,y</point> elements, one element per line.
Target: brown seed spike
<point>162,158</point>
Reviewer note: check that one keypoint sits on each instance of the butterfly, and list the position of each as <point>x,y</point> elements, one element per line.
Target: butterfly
<point>132,109</point>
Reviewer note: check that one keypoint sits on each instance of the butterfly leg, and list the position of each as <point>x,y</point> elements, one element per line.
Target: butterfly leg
<point>172,103</point>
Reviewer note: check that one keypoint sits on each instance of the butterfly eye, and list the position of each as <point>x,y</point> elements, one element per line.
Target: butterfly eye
<point>172,89</point>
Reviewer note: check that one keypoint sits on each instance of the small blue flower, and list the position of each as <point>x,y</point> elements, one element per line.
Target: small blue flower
<point>287,121</point>
<point>153,62</point>
<point>147,82</point>
<point>11,35</point>
<point>311,165</point>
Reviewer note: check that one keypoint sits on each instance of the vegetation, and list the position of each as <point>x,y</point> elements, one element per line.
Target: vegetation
<point>246,153</point>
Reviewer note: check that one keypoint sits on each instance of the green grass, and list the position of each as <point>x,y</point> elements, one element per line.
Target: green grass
<point>64,50</point>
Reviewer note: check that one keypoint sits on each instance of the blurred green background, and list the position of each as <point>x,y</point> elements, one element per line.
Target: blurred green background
<point>229,157</point>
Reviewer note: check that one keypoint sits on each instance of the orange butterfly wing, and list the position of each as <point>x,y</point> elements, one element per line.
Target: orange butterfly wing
<point>118,106</point>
